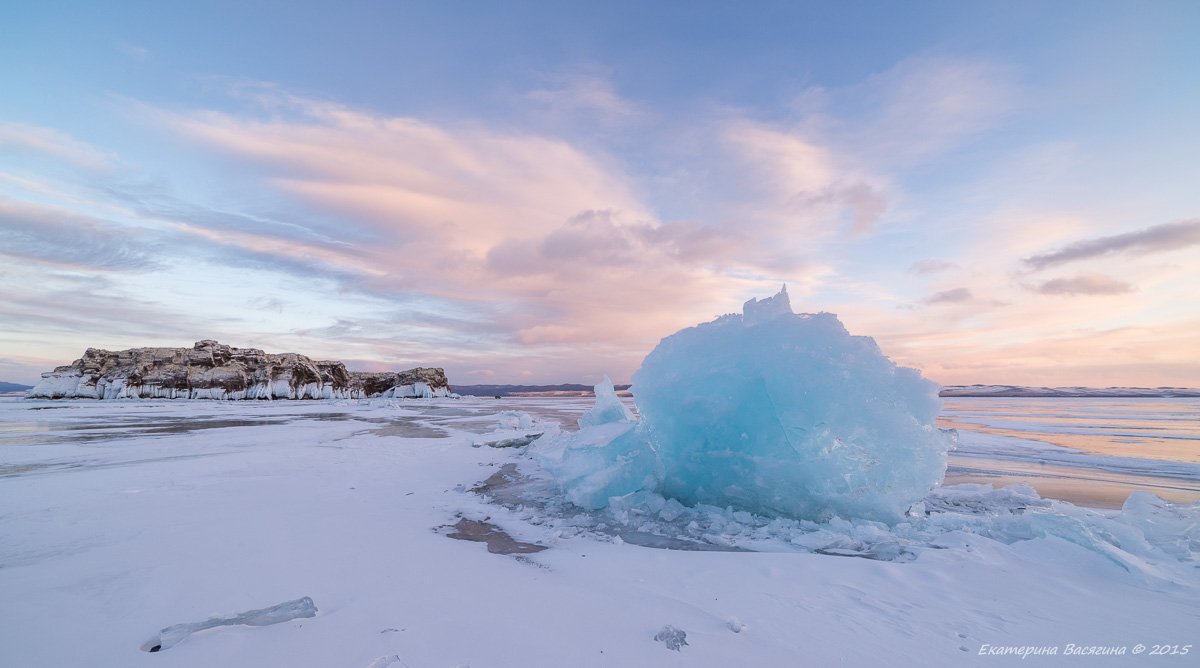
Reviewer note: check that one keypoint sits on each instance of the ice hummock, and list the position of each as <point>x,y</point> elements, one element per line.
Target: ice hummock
<point>767,411</point>
<point>788,414</point>
<point>771,430</point>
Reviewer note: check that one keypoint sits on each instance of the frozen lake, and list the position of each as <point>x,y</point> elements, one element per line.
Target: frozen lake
<point>1088,451</point>
<point>204,528</point>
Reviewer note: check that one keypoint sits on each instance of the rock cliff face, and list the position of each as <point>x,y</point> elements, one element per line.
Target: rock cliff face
<point>210,370</point>
<point>425,382</point>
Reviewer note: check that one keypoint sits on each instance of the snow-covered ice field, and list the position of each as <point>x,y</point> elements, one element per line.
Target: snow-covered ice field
<point>120,519</point>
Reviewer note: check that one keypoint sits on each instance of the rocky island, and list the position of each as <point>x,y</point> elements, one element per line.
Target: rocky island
<point>212,370</point>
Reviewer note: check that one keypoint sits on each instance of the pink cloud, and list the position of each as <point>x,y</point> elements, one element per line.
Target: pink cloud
<point>555,242</point>
<point>57,145</point>
<point>1083,284</point>
<point>585,95</point>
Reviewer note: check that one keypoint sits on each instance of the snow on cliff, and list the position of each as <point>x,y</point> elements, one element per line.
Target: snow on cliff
<point>210,370</point>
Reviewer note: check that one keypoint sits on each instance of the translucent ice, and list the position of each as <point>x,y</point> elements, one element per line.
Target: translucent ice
<point>769,412</point>
<point>1172,528</point>
<point>609,455</point>
<point>1151,539</point>
<point>515,420</point>
<point>599,462</point>
<point>608,407</point>
<point>286,611</point>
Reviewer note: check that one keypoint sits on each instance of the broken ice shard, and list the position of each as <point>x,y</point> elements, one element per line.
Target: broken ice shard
<point>286,611</point>
<point>597,463</point>
<point>609,455</point>
<point>768,411</point>
<point>672,637</point>
<point>608,407</point>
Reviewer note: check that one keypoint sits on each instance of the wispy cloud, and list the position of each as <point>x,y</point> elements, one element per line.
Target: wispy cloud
<point>67,303</point>
<point>132,50</point>
<point>58,237</point>
<point>587,95</point>
<point>830,171</point>
<point>924,106</point>
<point>953,296</point>
<point>55,236</point>
<point>558,240</point>
<point>1156,239</point>
<point>792,180</point>
<point>55,144</point>
<point>409,178</point>
<point>1083,284</point>
<point>929,266</point>
<point>541,245</point>
<point>1017,350</point>
<point>153,201</point>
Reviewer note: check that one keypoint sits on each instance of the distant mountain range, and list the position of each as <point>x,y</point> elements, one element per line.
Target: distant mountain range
<point>580,390</point>
<point>1020,391</point>
<point>563,390</point>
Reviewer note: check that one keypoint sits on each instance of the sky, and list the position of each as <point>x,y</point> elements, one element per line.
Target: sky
<point>538,192</point>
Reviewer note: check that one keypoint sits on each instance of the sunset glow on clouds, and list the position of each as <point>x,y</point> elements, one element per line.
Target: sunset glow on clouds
<point>548,210</point>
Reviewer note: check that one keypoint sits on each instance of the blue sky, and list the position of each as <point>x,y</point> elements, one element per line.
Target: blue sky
<point>538,192</point>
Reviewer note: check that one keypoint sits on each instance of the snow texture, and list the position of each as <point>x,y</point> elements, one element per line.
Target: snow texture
<point>284,612</point>
<point>119,517</point>
<point>771,412</point>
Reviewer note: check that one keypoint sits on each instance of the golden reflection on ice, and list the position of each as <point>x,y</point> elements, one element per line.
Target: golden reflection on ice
<point>1167,430</point>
